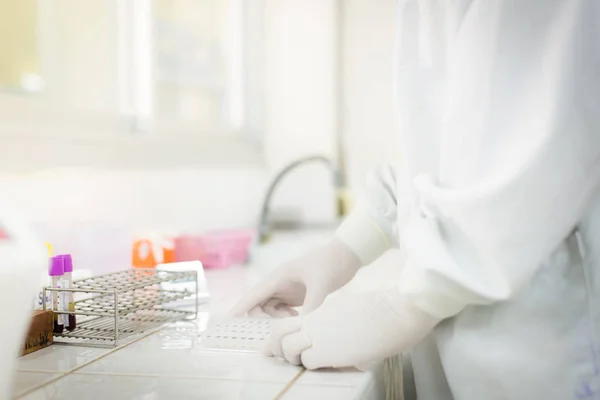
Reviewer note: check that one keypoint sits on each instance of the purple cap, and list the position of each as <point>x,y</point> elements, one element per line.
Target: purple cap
<point>57,266</point>
<point>68,260</point>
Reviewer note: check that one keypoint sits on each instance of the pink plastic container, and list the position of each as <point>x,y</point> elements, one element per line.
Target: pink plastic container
<point>215,249</point>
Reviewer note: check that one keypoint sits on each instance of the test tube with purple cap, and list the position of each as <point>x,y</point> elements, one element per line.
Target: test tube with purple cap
<point>56,270</point>
<point>70,299</point>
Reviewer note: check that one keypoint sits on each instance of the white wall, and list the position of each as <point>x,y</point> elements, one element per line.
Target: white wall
<point>301,102</point>
<point>188,200</point>
<point>368,110</point>
<point>301,74</point>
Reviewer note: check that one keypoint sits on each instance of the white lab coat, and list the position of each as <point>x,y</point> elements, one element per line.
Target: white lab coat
<point>496,204</point>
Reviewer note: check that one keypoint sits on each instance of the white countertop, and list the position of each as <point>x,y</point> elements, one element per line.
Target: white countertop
<point>170,364</point>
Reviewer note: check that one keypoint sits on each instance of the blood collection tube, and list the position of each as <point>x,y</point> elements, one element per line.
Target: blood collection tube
<point>56,271</point>
<point>69,297</point>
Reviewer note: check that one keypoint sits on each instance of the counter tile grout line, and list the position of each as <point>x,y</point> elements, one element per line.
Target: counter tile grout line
<point>177,376</point>
<point>39,386</point>
<point>42,371</point>
<point>63,374</point>
<point>289,385</point>
<point>188,377</point>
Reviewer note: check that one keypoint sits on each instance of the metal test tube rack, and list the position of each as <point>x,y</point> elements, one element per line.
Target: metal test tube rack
<point>114,306</point>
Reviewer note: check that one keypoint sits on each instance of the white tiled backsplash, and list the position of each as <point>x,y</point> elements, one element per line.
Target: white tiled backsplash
<point>175,199</point>
<point>95,212</point>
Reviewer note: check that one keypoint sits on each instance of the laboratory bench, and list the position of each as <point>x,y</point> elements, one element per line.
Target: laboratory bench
<point>169,363</point>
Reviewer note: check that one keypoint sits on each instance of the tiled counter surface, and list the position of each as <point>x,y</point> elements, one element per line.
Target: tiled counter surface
<point>169,364</point>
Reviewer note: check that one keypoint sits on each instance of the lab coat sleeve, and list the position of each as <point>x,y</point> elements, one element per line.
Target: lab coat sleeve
<point>369,229</point>
<point>480,239</point>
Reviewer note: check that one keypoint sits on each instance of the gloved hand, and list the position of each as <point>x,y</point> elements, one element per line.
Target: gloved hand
<point>351,330</point>
<point>305,282</point>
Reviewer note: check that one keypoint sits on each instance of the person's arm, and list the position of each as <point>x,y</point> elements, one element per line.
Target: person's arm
<point>520,165</point>
<point>371,228</point>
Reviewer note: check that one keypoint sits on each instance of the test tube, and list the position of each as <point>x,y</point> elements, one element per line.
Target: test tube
<point>56,270</point>
<point>70,298</point>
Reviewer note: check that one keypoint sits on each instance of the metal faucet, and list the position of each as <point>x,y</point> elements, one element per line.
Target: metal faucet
<point>339,183</point>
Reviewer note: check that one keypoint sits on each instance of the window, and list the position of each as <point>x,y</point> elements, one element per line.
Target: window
<point>198,62</point>
<point>19,61</point>
<point>168,66</point>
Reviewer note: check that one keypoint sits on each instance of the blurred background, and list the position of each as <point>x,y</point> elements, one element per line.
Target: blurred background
<point>175,115</point>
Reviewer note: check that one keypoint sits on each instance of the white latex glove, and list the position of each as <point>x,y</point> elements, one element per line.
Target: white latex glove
<point>305,281</point>
<point>351,330</point>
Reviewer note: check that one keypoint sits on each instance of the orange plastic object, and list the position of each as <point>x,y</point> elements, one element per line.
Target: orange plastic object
<point>143,256</point>
<point>168,255</point>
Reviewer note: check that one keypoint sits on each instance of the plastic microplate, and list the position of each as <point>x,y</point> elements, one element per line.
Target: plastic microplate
<point>237,334</point>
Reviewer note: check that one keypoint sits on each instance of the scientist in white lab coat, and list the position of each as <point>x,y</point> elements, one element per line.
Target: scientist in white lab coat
<point>492,220</point>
